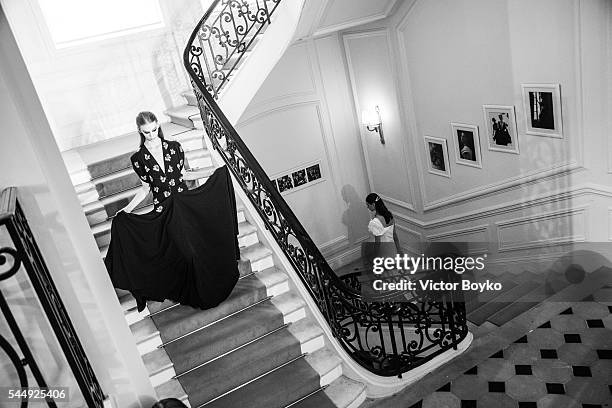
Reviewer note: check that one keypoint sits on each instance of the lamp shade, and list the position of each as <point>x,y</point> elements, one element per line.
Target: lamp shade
<point>369,118</point>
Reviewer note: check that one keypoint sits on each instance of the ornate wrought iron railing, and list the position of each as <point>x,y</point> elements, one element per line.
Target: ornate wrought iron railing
<point>223,38</point>
<point>387,338</point>
<point>25,252</point>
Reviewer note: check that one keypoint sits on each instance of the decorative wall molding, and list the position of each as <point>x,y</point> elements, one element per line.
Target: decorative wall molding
<point>409,245</point>
<point>509,183</point>
<point>366,34</point>
<point>477,237</point>
<point>350,23</point>
<point>529,259</point>
<point>402,204</point>
<point>563,195</point>
<point>334,245</point>
<point>549,217</point>
<point>345,38</point>
<point>443,236</point>
<point>407,105</point>
<point>577,141</point>
<point>340,251</point>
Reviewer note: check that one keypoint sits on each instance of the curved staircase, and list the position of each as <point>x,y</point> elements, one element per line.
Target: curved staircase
<point>262,347</point>
<point>259,348</point>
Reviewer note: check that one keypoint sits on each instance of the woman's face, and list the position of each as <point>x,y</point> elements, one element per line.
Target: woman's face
<point>370,206</point>
<point>149,130</point>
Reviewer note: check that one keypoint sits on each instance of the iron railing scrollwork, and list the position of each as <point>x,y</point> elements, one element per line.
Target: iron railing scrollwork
<point>386,337</point>
<point>224,36</point>
<point>26,254</point>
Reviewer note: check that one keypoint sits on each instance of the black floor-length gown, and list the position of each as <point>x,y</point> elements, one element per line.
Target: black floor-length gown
<point>186,249</point>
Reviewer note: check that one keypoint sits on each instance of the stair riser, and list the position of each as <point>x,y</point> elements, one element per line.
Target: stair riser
<point>79,177</point>
<point>96,217</point>
<point>162,376</point>
<point>181,121</point>
<point>149,345</point>
<point>263,263</point>
<point>193,144</point>
<point>313,344</point>
<point>132,316</point>
<point>191,99</point>
<point>89,196</point>
<point>330,376</point>
<point>200,162</point>
<point>248,240</point>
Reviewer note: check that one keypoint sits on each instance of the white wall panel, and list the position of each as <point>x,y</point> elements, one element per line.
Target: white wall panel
<point>370,65</point>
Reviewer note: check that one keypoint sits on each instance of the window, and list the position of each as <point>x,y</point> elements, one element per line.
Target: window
<point>73,22</point>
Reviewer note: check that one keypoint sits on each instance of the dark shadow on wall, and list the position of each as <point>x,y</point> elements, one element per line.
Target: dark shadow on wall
<point>356,215</point>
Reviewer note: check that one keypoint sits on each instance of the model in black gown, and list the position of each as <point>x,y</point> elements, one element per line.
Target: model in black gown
<point>164,179</point>
<point>185,249</point>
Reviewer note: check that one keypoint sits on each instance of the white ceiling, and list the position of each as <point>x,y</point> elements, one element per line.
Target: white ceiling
<point>321,17</point>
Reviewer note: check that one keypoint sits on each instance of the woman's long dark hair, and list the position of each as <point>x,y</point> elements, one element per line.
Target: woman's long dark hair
<point>169,403</point>
<point>147,117</point>
<point>379,206</point>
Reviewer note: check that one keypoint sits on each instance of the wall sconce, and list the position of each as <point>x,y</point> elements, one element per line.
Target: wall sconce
<point>372,122</point>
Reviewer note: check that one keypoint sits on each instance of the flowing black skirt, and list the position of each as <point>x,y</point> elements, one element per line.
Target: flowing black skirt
<point>186,253</point>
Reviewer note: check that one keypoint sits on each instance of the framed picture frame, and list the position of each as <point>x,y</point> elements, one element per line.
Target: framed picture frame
<point>436,153</point>
<point>542,105</point>
<point>284,183</point>
<point>500,124</point>
<point>298,178</point>
<point>467,144</point>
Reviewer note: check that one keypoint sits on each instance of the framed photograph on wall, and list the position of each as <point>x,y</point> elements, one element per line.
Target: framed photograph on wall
<point>467,144</point>
<point>284,183</point>
<point>437,156</point>
<point>542,104</point>
<point>500,122</point>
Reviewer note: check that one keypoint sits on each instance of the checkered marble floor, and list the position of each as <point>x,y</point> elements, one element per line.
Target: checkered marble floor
<point>566,362</point>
